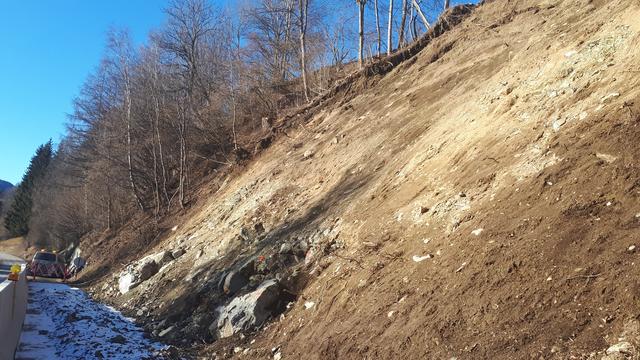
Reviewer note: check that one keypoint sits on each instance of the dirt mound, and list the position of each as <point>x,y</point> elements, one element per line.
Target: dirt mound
<point>479,201</point>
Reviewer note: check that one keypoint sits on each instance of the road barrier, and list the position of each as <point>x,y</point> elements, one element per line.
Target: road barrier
<point>13,306</point>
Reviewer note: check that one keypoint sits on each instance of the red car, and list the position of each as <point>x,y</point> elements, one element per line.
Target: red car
<point>47,264</point>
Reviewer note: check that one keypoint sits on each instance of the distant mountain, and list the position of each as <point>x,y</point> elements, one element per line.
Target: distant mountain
<point>5,185</point>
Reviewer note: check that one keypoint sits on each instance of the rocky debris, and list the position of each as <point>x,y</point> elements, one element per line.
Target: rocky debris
<point>309,304</point>
<point>623,348</point>
<point>127,282</point>
<point>249,311</point>
<point>234,281</point>
<point>557,123</point>
<point>417,258</point>
<point>477,232</point>
<point>162,258</point>
<point>142,270</point>
<point>308,154</point>
<point>631,248</point>
<point>253,234</point>
<point>606,157</point>
<point>608,98</point>
<point>147,269</point>
<point>177,253</point>
<point>286,248</point>
<point>166,331</point>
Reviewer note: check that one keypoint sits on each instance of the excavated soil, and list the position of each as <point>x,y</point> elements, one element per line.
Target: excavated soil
<point>479,201</point>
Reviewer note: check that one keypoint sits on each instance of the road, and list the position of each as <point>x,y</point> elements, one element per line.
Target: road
<point>64,323</point>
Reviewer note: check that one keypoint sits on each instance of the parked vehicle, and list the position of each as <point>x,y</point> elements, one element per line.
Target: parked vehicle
<point>47,264</point>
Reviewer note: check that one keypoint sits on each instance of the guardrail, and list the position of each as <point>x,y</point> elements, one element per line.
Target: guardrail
<point>13,307</point>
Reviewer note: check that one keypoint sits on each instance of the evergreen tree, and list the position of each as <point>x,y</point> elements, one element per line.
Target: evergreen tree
<point>19,214</point>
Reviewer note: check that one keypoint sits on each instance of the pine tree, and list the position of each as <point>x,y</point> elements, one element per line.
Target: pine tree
<point>19,214</point>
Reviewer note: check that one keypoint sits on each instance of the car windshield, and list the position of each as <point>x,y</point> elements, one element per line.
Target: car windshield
<point>43,256</point>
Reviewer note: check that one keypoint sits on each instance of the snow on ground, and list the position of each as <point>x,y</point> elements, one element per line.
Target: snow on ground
<point>64,323</point>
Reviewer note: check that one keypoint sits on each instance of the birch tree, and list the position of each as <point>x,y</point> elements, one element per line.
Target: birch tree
<point>303,7</point>
<point>361,5</point>
<point>390,29</point>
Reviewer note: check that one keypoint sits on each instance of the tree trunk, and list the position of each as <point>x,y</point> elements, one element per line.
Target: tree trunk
<point>361,4</point>
<point>412,24</point>
<point>422,17</point>
<point>304,7</point>
<point>446,4</point>
<point>127,90</point>
<point>402,23</point>
<point>390,29</point>
<point>375,6</point>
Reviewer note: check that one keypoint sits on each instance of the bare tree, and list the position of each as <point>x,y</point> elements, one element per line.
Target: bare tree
<point>303,6</point>
<point>361,5</point>
<point>446,4</point>
<point>379,36</point>
<point>189,24</point>
<point>390,29</point>
<point>401,40</point>
<point>416,5</point>
<point>120,46</point>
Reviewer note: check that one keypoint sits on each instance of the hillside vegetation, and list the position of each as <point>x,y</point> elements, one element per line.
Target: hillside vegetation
<point>473,197</point>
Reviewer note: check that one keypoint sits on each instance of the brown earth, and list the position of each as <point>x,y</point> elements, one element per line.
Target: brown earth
<point>505,150</point>
<point>16,247</point>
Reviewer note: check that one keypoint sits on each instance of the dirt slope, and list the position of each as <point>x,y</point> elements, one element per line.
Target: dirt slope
<point>479,201</point>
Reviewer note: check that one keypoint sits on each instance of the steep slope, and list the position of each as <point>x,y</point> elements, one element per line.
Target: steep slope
<point>4,186</point>
<point>479,201</point>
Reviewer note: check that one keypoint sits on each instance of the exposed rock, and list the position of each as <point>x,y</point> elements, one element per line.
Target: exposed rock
<point>623,347</point>
<point>234,281</point>
<point>309,304</point>
<point>147,269</point>
<point>177,253</point>
<point>286,248</point>
<point>166,331</point>
<point>417,258</point>
<point>609,97</point>
<point>557,123</point>
<point>249,311</point>
<point>308,154</point>
<point>606,157</point>
<point>136,273</point>
<point>126,282</point>
<point>162,258</point>
<point>259,228</point>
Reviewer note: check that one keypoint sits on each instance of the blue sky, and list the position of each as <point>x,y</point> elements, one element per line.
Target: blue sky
<point>47,48</point>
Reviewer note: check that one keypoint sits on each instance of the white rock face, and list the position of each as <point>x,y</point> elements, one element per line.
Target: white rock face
<point>125,282</point>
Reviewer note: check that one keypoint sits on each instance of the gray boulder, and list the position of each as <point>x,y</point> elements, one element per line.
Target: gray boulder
<point>162,258</point>
<point>177,253</point>
<point>136,273</point>
<point>249,311</point>
<point>234,281</point>
<point>146,269</point>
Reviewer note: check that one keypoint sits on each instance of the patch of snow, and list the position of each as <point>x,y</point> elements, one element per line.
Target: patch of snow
<point>64,323</point>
